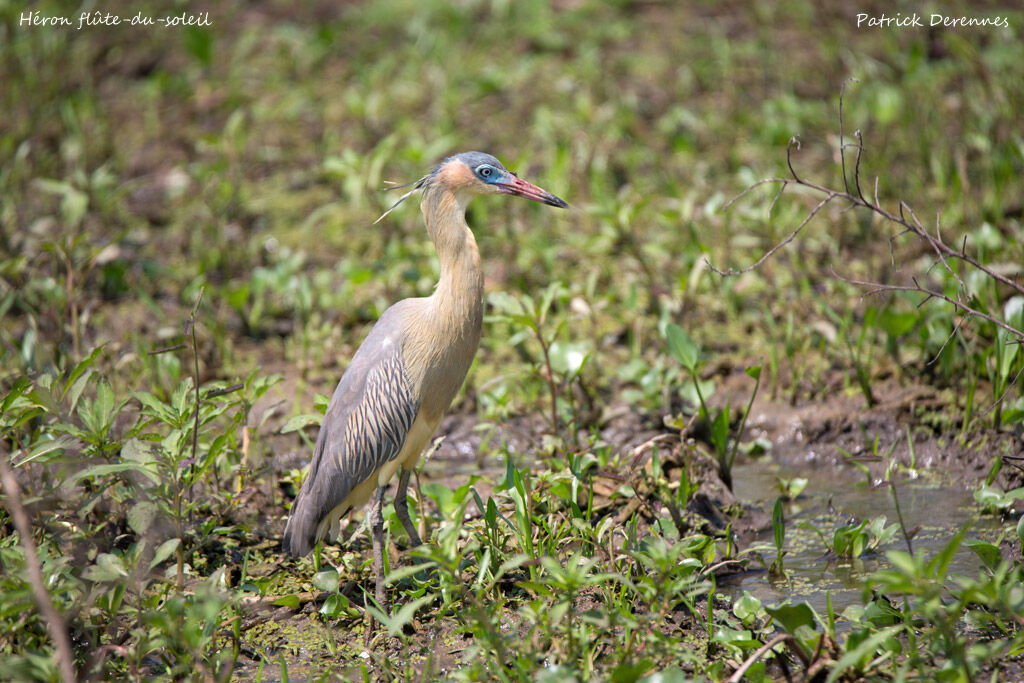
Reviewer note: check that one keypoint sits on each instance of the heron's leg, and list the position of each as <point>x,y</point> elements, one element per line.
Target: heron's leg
<point>402,508</point>
<point>377,527</point>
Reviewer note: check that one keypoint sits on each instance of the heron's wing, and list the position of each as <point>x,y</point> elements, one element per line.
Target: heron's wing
<point>365,427</point>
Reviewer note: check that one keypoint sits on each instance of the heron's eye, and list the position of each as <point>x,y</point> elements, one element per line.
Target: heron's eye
<point>485,172</point>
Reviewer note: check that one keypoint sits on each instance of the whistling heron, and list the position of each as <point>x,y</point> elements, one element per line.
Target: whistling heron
<point>408,369</point>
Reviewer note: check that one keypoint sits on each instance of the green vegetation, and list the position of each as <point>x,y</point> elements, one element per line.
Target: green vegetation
<point>188,259</point>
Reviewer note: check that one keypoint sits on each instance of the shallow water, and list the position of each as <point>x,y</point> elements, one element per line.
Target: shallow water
<point>836,496</point>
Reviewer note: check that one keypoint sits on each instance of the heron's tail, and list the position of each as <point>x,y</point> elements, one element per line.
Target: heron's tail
<point>300,532</point>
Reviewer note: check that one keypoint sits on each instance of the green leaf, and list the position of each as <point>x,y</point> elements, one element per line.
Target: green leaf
<point>141,516</point>
<point>106,407</point>
<point>1013,415</point>
<point>939,565</point>
<point>990,498</point>
<point>720,432</point>
<point>326,580</point>
<point>628,672</point>
<point>511,564</point>
<point>796,486</point>
<point>139,452</point>
<point>337,605</point>
<point>406,614</point>
<point>107,568</point>
<point>568,358</point>
<point>988,553</point>
<point>443,495</point>
<point>778,524</point>
<point>747,607</point>
<point>20,386</point>
<point>80,369</point>
<point>154,407</point>
<point>689,393</point>
<point>43,397</point>
<point>903,561</point>
<point>299,422</point>
<point>547,298</point>
<point>741,639</point>
<point>115,468</point>
<point>45,448</point>
<point>292,602</point>
<point>238,297</point>
<point>164,551</point>
<point>860,653</point>
<point>681,346</point>
<point>1013,312</point>
<point>74,393</point>
<point>897,324</point>
<point>402,573</point>
<point>790,617</point>
<point>880,612</point>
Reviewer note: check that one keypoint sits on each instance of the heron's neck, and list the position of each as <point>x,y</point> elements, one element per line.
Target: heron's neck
<point>459,297</point>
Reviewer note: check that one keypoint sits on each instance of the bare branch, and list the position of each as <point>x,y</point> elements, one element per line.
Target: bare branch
<point>754,186</point>
<point>54,622</point>
<point>737,675</point>
<point>771,207</point>
<point>789,238</point>
<point>842,143</point>
<point>904,217</point>
<point>793,141</point>
<point>1008,385</point>
<point>932,294</point>
<point>856,166</point>
<point>956,328</point>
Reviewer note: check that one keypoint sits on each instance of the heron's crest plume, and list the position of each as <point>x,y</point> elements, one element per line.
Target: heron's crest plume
<point>471,159</point>
<point>416,185</point>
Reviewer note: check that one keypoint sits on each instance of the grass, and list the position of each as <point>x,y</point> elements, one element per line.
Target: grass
<point>187,258</point>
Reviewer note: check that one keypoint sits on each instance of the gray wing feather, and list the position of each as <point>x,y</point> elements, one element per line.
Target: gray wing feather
<point>365,426</point>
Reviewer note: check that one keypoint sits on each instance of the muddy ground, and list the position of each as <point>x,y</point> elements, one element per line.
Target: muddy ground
<point>810,436</point>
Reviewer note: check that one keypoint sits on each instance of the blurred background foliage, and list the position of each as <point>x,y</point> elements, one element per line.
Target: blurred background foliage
<point>242,164</point>
<point>249,156</point>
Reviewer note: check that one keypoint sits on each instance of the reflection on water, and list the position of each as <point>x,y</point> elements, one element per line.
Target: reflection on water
<point>836,496</point>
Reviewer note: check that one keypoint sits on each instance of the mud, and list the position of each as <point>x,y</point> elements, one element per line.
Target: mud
<point>830,442</point>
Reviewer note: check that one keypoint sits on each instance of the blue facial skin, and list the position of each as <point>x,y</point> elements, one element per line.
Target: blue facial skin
<point>485,167</point>
<point>489,174</point>
<point>490,171</point>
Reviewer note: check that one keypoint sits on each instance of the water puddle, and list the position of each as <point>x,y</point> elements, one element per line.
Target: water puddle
<point>834,497</point>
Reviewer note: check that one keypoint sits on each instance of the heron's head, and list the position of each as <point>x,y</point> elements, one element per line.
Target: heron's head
<point>471,173</point>
<point>475,173</point>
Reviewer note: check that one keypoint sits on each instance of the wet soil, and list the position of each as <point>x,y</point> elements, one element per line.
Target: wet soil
<point>935,474</point>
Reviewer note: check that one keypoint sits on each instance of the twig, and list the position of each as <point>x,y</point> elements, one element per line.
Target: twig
<point>190,330</point>
<point>789,238</point>
<point>54,622</point>
<point>856,166</point>
<point>842,145</point>
<point>944,254</point>
<point>793,142</point>
<point>952,335</point>
<point>912,225</point>
<point>640,450</point>
<point>817,666</point>
<point>1007,389</point>
<point>737,675</point>
<point>932,294</point>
